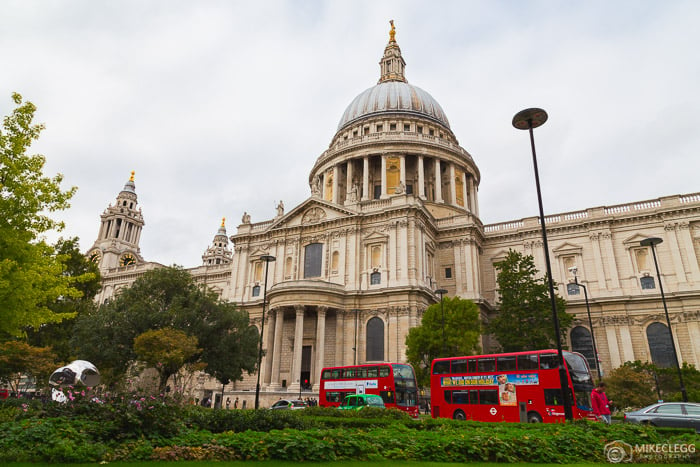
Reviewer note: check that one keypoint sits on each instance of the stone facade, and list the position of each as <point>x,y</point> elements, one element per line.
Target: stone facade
<point>393,215</point>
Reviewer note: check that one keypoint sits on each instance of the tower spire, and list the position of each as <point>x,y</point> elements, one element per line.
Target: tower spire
<point>392,64</point>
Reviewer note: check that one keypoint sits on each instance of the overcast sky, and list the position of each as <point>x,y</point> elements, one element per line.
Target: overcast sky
<point>223,107</point>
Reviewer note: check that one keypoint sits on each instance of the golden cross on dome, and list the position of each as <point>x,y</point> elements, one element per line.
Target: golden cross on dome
<point>223,222</point>
<point>131,179</point>
<point>392,33</point>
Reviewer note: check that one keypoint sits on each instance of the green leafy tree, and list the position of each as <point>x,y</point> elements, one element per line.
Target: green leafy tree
<point>87,282</point>
<point>524,320</point>
<point>167,350</point>
<point>31,274</point>
<point>638,384</point>
<point>462,329</point>
<point>168,298</point>
<point>20,360</point>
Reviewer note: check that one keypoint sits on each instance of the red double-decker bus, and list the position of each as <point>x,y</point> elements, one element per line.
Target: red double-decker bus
<point>509,387</point>
<point>394,382</point>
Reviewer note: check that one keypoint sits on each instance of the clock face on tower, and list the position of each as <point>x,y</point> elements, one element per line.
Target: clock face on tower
<point>127,259</point>
<point>95,256</point>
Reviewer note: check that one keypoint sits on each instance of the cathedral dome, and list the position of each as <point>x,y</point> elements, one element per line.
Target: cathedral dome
<point>394,97</point>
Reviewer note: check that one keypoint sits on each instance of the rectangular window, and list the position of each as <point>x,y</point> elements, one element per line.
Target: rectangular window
<point>392,127</point>
<point>420,129</point>
<point>312,260</point>
<point>573,289</point>
<point>354,134</point>
<point>349,373</point>
<point>488,396</point>
<point>460,397</point>
<point>486,364</point>
<point>431,132</point>
<point>448,273</point>
<point>380,128</point>
<point>406,127</point>
<point>549,361</point>
<point>377,191</point>
<point>384,371</point>
<point>459,366</point>
<point>441,368</point>
<point>647,283</point>
<point>365,130</point>
<point>505,363</point>
<point>527,362</point>
<point>553,397</point>
<point>372,372</point>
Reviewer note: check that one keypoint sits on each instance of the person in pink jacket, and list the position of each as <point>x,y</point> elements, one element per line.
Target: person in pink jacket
<point>601,404</point>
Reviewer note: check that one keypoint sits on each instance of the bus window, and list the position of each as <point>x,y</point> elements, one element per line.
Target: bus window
<point>459,366</point>
<point>578,368</point>
<point>549,361</point>
<point>460,397</point>
<point>441,367</point>
<point>553,397</point>
<point>448,396</point>
<point>505,363</point>
<point>488,396</point>
<point>349,373</point>
<point>336,374</point>
<point>384,371</point>
<point>527,362</point>
<point>486,364</point>
<point>372,372</point>
<point>326,374</point>
<point>361,373</point>
<point>387,396</point>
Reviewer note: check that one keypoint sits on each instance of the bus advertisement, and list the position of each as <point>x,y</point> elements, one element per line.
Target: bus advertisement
<point>509,387</point>
<point>394,382</point>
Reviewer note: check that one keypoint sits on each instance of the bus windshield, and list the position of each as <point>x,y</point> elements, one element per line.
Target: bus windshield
<point>578,368</point>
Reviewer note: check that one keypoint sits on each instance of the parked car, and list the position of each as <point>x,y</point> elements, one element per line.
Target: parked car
<point>360,401</point>
<point>674,414</point>
<point>289,404</point>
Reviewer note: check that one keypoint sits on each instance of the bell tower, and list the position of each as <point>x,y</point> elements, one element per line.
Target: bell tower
<point>117,243</point>
<point>218,252</point>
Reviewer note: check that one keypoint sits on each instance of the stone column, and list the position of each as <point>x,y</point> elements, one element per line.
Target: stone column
<point>453,187</point>
<point>349,184</point>
<point>402,173</point>
<point>277,349</point>
<point>383,194</point>
<point>365,178</point>
<point>670,231</point>
<point>598,261</point>
<point>687,240</point>
<point>613,348</point>
<point>607,245</point>
<point>335,184</point>
<point>438,182</point>
<point>421,178</point>
<point>465,192</point>
<point>320,345</point>
<point>323,186</point>
<point>298,344</point>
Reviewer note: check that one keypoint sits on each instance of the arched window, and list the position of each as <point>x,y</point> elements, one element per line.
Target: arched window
<point>256,291</point>
<point>312,260</point>
<point>660,345</point>
<point>375,340</point>
<point>375,278</point>
<point>647,282</point>
<point>582,343</point>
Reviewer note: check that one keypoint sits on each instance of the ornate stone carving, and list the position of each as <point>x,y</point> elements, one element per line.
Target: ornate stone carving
<point>313,215</point>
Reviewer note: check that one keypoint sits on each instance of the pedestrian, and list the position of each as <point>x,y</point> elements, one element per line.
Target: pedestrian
<point>228,402</point>
<point>601,404</point>
<point>235,403</point>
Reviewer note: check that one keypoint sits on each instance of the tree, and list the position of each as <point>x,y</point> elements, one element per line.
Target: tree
<point>168,298</point>
<point>524,320</point>
<point>31,275</point>
<point>462,329</point>
<point>19,359</point>
<point>87,282</point>
<point>167,350</point>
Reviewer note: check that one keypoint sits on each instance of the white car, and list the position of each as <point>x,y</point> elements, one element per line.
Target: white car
<point>289,404</point>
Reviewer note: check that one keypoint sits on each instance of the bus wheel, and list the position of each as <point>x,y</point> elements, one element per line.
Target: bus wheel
<point>459,415</point>
<point>534,417</point>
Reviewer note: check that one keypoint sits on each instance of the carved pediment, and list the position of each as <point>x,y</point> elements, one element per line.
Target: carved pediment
<point>311,211</point>
<point>375,237</point>
<point>313,215</point>
<point>634,240</point>
<point>568,249</point>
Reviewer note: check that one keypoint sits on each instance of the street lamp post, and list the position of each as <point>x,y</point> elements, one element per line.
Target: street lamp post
<point>442,292</point>
<point>574,270</point>
<point>652,242</point>
<point>267,259</point>
<point>527,120</point>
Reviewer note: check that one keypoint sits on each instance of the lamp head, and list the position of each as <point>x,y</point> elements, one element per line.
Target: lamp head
<point>573,270</point>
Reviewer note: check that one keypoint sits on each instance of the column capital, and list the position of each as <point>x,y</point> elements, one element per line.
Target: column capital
<point>299,309</point>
